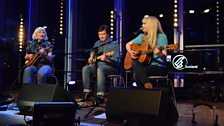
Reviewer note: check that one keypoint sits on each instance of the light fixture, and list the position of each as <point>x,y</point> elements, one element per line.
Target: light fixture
<point>161,15</point>
<point>72,82</point>
<point>20,36</point>
<point>61,18</point>
<point>206,10</point>
<point>175,19</point>
<point>191,11</point>
<point>112,18</point>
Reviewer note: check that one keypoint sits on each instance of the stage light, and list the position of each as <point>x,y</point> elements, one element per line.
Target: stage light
<point>134,84</point>
<point>20,35</point>
<point>175,20</point>
<point>175,24</point>
<point>191,11</point>
<point>175,10</point>
<point>61,17</point>
<point>112,18</point>
<point>161,15</point>
<point>175,15</point>
<point>72,82</point>
<point>206,10</point>
<point>217,22</point>
<point>111,12</point>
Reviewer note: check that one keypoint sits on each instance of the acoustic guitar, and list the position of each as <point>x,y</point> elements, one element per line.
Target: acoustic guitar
<point>36,57</point>
<point>108,54</point>
<point>142,53</point>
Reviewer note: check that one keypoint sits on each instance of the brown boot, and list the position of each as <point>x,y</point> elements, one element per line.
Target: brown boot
<point>148,85</point>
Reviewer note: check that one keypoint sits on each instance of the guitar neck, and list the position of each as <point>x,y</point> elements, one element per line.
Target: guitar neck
<point>166,47</point>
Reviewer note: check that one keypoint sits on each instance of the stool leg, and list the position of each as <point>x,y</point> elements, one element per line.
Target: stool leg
<point>172,90</point>
<point>112,82</point>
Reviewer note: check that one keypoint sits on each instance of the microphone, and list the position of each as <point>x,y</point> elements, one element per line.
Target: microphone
<point>138,32</point>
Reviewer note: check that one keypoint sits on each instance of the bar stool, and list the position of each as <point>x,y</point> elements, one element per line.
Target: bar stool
<point>117,81</point>
<point>168,82</point>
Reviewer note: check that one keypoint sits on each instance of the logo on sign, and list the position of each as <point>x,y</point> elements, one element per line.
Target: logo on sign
<point>179,62</point>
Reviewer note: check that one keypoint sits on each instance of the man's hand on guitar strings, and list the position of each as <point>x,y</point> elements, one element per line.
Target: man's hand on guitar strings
<point>90,59</point>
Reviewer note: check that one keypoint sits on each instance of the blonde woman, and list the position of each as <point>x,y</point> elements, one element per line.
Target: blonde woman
<point>151,38</point>
<point>38,57</point>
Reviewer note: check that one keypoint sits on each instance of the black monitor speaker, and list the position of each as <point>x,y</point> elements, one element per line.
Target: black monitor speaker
<point>31,93</point>
<point>141,107</point>
<point>54,114</point>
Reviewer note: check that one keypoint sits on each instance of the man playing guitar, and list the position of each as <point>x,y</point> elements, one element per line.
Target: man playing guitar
<point>106,53</point>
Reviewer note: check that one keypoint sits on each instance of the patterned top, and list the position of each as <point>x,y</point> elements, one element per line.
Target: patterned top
<point>34,47</point>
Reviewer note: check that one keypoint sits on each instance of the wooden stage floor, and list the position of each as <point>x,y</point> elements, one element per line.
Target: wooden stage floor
<point>203,114</point>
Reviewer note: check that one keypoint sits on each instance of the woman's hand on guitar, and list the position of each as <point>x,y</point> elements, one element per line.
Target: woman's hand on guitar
<point>42,51</point>
<point>156,51</point>
<point>29,56</point>
<point>133,54</point>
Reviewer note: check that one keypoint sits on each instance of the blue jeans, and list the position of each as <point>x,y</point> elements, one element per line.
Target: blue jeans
<point>42,73</point>
<point>103,70</point>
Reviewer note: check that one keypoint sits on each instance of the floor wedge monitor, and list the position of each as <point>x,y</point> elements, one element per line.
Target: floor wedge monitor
<point>31,93</point>
<point>141,107</point>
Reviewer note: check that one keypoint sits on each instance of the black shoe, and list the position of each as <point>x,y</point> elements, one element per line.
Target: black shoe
<point>99,100</point>
<point>86,97</point>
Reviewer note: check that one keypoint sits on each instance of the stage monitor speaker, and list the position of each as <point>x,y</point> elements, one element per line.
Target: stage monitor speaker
<point>141,107</point>
<point>31,93</point>
<point>54,114</point>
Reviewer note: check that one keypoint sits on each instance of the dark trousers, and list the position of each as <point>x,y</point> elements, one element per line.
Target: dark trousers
<point>141,72</point>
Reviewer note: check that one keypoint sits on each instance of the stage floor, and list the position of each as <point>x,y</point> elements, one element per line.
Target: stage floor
<point>203,115</point>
